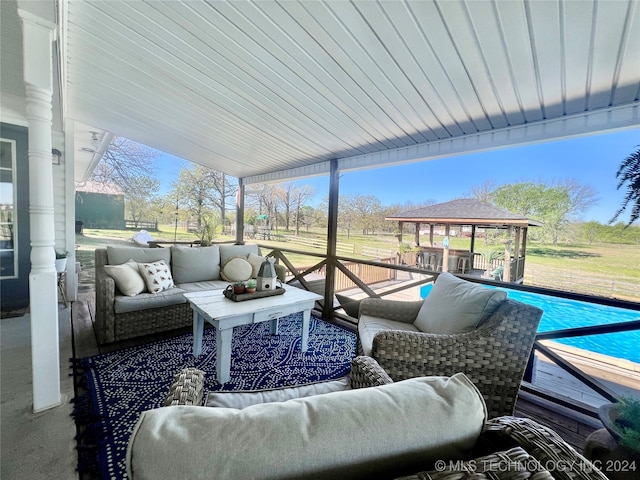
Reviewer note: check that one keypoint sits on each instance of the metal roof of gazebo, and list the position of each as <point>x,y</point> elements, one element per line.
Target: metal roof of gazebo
<point>464,212</point>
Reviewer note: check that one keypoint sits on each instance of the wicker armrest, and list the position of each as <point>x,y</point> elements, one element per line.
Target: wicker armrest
<point>545,445</point>
<point>511,464</point>
<point>366,372</point>
<point>105,299</point>
<point>398,311</point>
<point>187,388</point>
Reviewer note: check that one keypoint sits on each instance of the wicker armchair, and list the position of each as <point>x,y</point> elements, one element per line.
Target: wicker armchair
<point>494,355</point>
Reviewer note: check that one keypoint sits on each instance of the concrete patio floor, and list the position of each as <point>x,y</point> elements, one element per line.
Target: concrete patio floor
<point>41,445</point>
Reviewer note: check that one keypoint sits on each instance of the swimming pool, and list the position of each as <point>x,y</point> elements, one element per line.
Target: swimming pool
<point>560,313</point>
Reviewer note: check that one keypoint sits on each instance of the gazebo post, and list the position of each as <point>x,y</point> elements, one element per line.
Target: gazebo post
<point>417,238</point>
<point>472,247</point>
<point>431,234</point>
<point>506,274</point>
<point>445,250</point>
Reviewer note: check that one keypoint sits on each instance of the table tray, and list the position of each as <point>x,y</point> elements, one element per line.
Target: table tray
<point>241,297</point>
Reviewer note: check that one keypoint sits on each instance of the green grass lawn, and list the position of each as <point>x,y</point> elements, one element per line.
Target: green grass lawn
<point>610,260</point>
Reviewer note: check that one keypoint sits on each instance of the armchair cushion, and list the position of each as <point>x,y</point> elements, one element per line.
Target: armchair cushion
<point>369,326</point>
<point>457,306</point>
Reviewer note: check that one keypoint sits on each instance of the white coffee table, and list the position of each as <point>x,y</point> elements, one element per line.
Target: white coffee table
<point>224,314</point>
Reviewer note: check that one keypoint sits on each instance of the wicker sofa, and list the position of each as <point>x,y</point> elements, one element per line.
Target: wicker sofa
<point>492,348</point>
<point>120,317</point>
<point>441,433</point>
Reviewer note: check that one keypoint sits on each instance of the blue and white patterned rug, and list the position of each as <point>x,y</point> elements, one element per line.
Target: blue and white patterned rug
<point>121,385</point>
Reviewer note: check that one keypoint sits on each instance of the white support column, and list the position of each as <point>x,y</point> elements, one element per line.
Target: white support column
<point>45,353</point>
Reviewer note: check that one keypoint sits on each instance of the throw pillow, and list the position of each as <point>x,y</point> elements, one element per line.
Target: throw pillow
<point>127,278</point>
<point>256,261</point>
<point>157,276</point>
<point>457,306</point>
<point>236,269</point>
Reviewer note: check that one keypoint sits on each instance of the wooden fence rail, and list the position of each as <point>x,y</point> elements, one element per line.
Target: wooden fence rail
<point>341,248</point>
<point>623,288</point>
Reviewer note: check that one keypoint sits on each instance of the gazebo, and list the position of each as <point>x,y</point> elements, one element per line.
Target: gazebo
<point>474,214</point>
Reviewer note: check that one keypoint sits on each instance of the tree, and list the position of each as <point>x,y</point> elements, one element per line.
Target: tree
<point>554,204</point>
<point>590,230</point>
<point>629,173</point>
<point>482,192</point>
<point>192,192</point>
<point>140,194</point>
<point>124,163</point>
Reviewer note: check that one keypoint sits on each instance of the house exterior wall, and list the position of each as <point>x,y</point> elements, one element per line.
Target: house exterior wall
<point>14,291</point>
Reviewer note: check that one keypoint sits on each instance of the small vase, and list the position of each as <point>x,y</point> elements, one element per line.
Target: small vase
<point>237,289</point>
<point>250,290</point>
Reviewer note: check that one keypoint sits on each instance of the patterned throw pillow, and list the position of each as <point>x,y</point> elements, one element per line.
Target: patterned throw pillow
<point>156,275</point>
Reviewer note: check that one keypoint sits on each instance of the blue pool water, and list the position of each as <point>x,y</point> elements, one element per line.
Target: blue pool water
<point>560,313</point>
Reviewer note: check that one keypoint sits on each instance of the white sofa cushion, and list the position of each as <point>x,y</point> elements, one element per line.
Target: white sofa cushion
<point>368,326</point>
<point>142,301</point>
<point>244,399</point>
<point>195,264</point>
<point>119,255</point>
<point>127,278</point>
<point>199,286</point>
<point>457,306</point>
<point>364,433</point>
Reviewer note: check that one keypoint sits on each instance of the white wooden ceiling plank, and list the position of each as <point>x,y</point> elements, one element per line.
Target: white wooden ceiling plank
<point>548,46</point>
<point>492,45</point>
<point>358,65</point>
<point>400,63</point>
<point>513,19</point>
<point>299,93</point>
<point>373,57</point>
<point>474,59</point>
<point>578,21</point>
<point>174,67</point>
<point>331,59</point>
<point>177,112</point>
<point>413,45</point>
<point>178,105</point>
<point>438,79</point>
<point>628,82</point>
<point>115,121</point>
<point>456,85</point>
<point>607,48</point>
<point>296,47</point>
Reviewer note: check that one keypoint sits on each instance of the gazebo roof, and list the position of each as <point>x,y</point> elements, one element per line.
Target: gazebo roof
<point>464,212</point>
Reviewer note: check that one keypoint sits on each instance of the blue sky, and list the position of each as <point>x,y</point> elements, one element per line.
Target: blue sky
<point>591,160</point>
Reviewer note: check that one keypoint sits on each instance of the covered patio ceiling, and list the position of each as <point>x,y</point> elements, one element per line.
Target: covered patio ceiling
<point>272,90</point>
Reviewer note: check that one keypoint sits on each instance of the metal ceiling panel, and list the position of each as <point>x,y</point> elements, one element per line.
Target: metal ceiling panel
<point>256,89</point>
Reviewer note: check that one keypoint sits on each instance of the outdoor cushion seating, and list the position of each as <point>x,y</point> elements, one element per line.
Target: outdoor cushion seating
<point>375,432</point>
<point>459,327</point>
<point>139,291</point>
<point>355,443</point>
